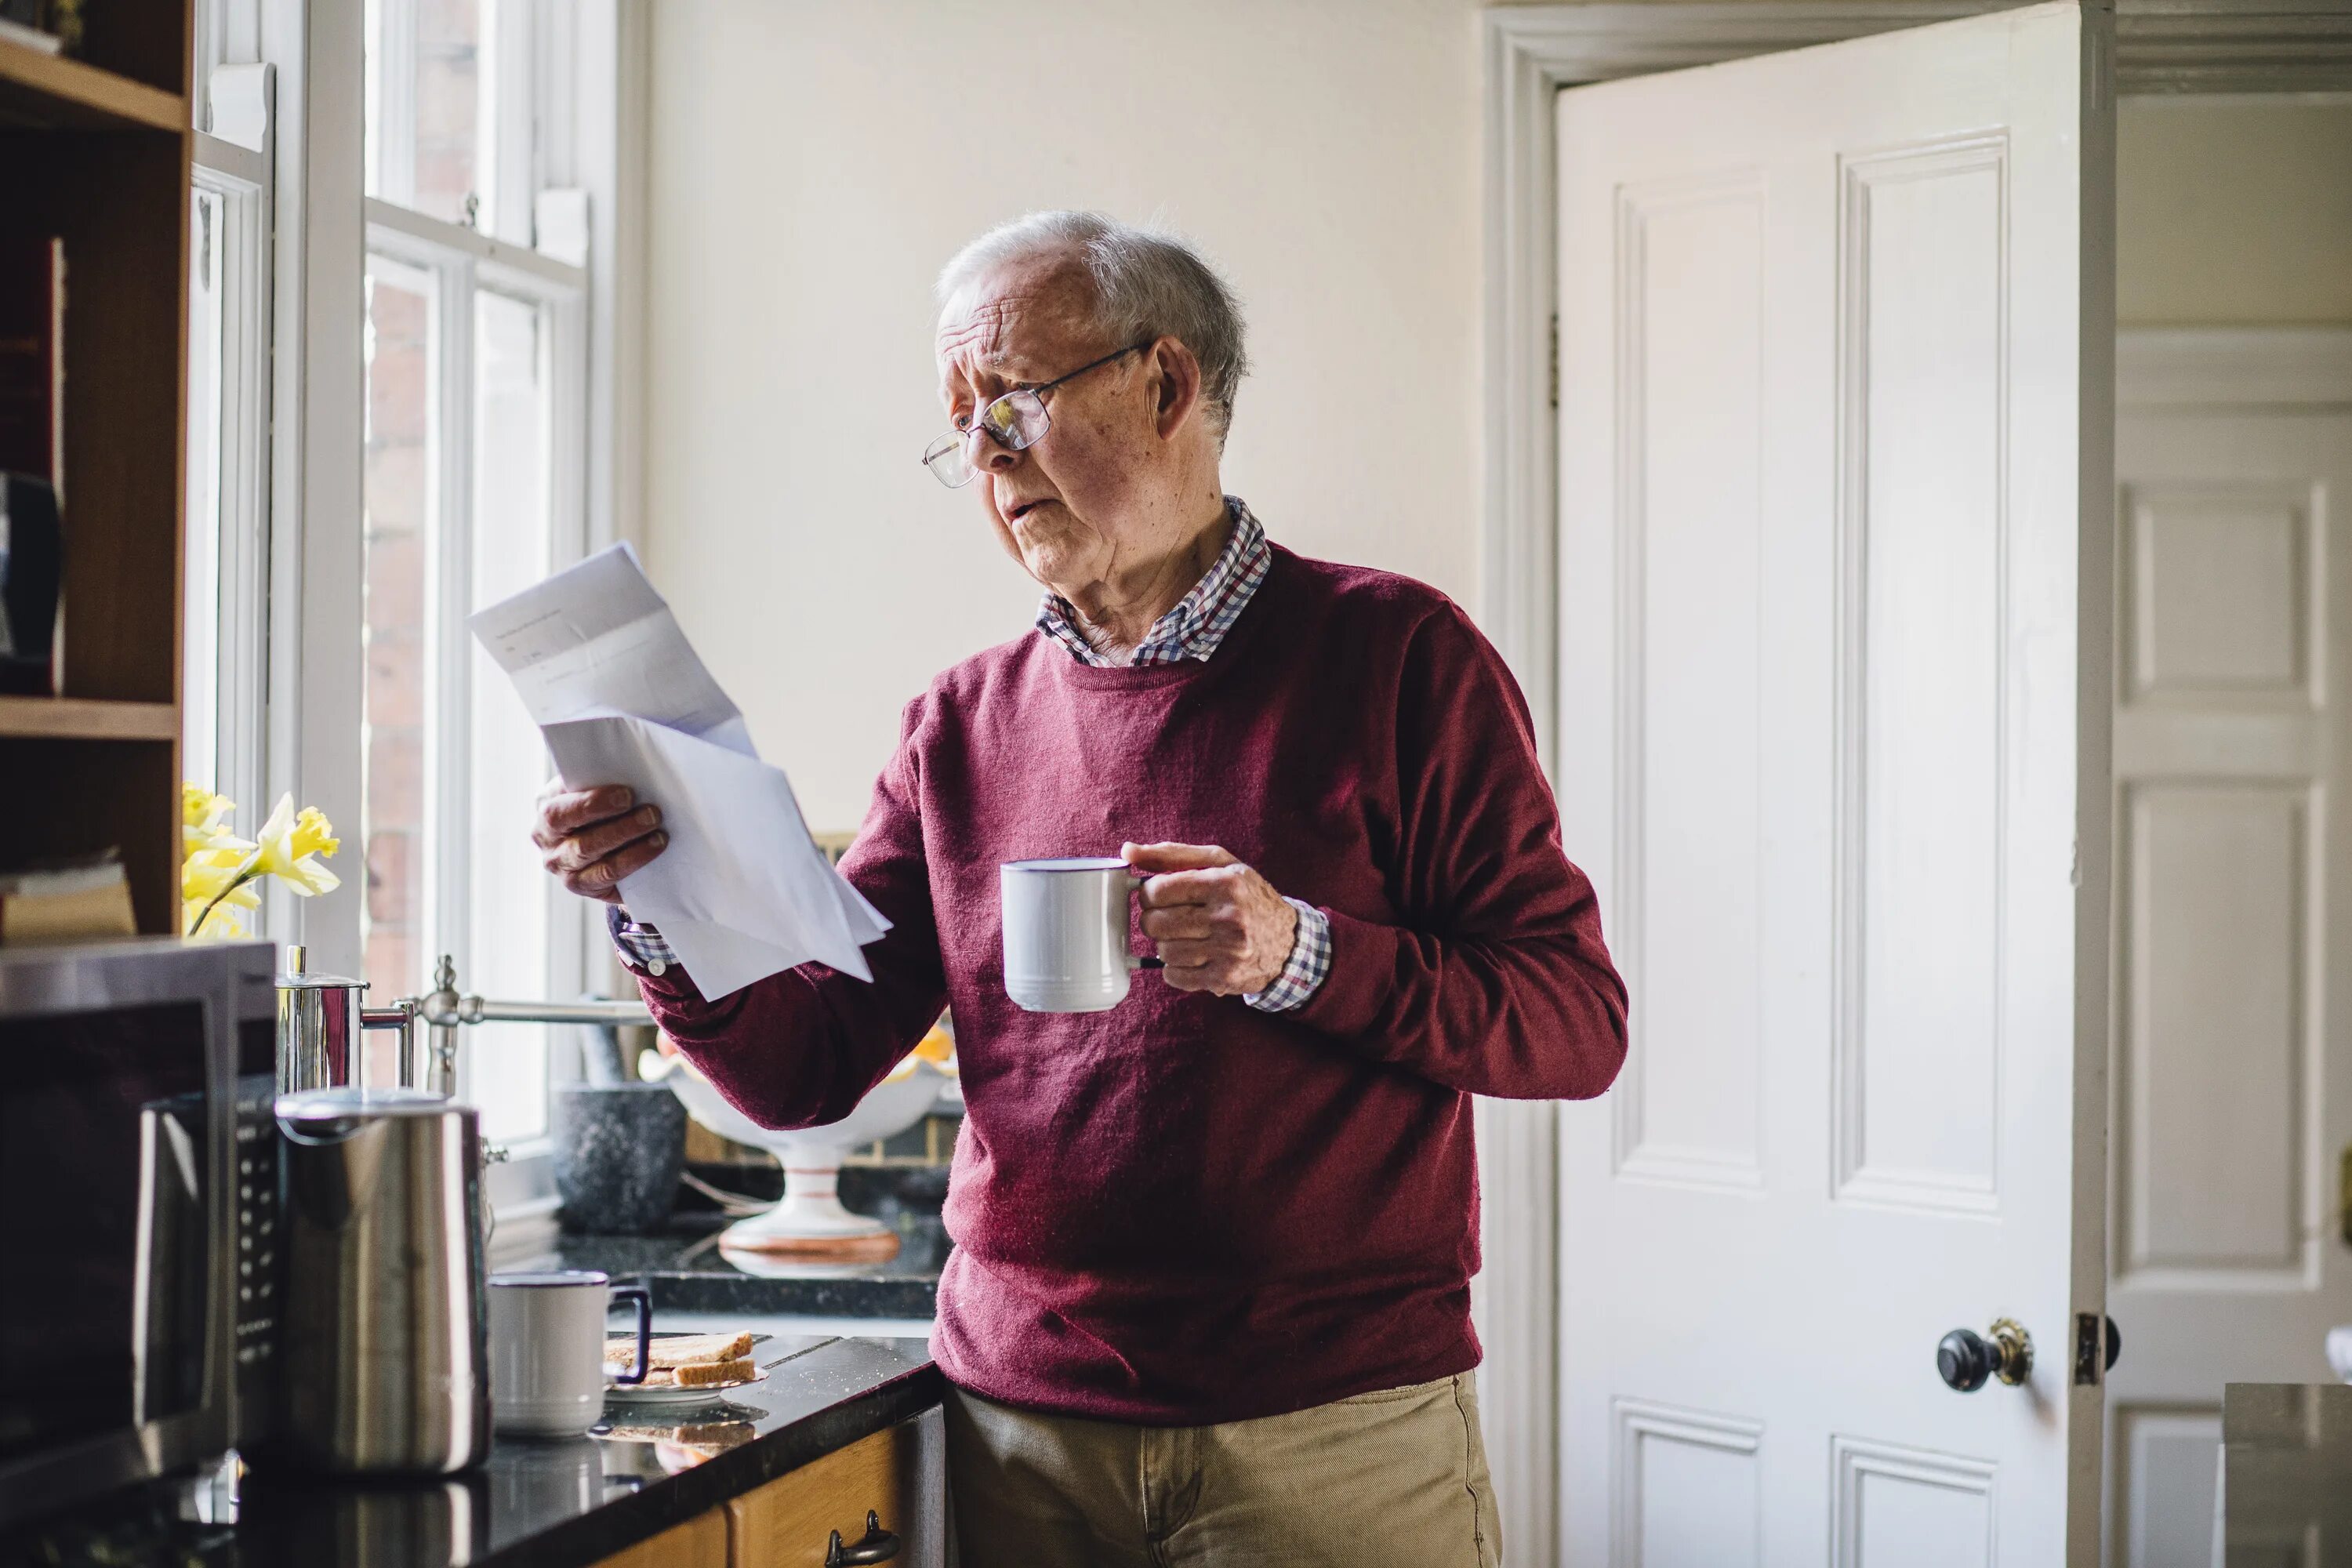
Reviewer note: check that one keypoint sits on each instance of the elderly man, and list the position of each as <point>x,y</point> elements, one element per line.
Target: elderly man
<point>1209,1299</point>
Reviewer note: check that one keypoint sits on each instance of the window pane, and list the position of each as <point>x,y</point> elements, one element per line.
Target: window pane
<point>511,892</point>
<point>427,104</point>
<point>448,106</point>
<point>200,711</point>
<point>399,522</point>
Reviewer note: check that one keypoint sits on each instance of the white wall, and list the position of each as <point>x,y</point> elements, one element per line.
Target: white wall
<point>2233,212</point>
<point>812,164</point>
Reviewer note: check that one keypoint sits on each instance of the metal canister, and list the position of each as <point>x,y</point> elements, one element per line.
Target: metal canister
<point>318,1029</point>
<point>320,1018</point>
<point>384,1355</point>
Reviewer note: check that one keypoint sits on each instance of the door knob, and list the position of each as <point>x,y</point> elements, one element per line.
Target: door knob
<point>1965,1360</point>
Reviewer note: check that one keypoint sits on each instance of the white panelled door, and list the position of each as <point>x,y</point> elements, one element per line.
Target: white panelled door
<point>2232,1079</point>
<point>1836,328</point>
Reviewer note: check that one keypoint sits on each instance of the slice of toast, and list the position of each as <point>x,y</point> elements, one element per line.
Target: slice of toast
<point>700,1374</point>
<point>678,1350</point>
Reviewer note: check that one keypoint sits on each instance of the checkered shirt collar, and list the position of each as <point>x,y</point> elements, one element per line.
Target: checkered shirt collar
<point>1201,618</point>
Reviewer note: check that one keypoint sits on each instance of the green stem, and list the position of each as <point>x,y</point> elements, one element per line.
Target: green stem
<point>243,877</point>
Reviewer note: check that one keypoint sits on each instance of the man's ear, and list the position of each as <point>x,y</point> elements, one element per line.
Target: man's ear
<point>1177,389</point>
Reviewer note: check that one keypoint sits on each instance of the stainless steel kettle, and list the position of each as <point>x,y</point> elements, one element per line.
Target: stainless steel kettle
<point>384,1354</point>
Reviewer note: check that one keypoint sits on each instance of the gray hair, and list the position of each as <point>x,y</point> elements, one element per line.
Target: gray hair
<point>1148,284</point>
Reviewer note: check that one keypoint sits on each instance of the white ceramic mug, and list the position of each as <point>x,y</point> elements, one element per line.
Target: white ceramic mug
<point>547,1349</point>
<point>1065,942</point>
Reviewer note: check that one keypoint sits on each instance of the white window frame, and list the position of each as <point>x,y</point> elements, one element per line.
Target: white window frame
<point>454,263</point>
<point>281,96</point>
<point>239,178</point>
<point>526,47</point>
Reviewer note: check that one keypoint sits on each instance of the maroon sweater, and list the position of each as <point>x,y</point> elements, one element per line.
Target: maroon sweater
<point>1185,1211</point>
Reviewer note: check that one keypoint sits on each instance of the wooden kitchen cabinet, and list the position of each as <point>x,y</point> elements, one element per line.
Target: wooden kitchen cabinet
<point>787,1522</point>
<point>699,1542</point>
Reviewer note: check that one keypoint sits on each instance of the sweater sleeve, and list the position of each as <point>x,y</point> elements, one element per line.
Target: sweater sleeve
<point>801,1048</point>
<point>1497,981</point>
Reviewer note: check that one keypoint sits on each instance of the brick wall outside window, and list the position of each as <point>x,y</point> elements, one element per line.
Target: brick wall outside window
<point>397,486</point>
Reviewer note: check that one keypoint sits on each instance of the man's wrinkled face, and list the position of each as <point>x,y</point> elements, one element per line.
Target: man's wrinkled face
<point>1077,505</point>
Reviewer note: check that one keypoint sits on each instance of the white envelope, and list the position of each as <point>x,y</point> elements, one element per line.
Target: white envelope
<point>741,891</point>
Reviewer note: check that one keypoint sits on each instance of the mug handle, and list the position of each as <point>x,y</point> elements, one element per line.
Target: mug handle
<point>1137,960</point>
<point>639,1298</point>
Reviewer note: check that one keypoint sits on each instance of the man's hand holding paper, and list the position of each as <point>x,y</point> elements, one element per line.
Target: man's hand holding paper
<point>740,892</point>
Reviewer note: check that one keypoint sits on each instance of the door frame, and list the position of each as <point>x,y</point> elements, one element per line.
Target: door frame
<point>1529,54</point>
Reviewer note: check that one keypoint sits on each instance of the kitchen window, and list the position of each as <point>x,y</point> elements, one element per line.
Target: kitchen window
<point>352,495</point>
<point>472,488</point>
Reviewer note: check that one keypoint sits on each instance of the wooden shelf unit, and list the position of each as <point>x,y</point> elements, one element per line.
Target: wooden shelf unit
<point>96,151</point>
<point>51,92</point>
<point>87,719</point>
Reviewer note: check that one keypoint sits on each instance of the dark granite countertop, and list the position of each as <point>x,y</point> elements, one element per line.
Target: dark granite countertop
<point>2285,1487</point>
<point>686,1272</point>
<point>533,1504</point>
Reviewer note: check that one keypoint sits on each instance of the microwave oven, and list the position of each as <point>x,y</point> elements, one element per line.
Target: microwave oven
<point>138,1211</point>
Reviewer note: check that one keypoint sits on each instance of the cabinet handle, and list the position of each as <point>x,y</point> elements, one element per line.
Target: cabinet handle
<point>877,1545</point>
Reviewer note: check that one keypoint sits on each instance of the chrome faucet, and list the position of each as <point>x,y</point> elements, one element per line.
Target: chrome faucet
<point>443,1010</point>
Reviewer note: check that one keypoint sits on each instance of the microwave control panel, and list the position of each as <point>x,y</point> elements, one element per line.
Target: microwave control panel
<point>258,1243</point>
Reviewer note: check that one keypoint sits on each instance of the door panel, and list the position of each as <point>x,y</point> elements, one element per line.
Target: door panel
<point>1827,612</point>
<point>1695,327</point>
<point>2163,1464</point>
<point>2211,1007</point>
<point>1920,822</point>
<point>1690,1490</point>
<point>2232,1061</point>
<point>1904,1508</point>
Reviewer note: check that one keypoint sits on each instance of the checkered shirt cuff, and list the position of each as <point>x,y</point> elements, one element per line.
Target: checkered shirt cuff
<point>642,946</point>
<point>1310,962</point>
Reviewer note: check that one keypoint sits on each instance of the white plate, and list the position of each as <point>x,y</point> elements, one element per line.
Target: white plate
<point>638,1397</point>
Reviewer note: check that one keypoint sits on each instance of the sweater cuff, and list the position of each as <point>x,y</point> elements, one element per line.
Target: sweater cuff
<point>1362,974</point>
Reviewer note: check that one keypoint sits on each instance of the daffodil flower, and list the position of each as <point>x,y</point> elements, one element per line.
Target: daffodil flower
<point>202,822</point>
<point>219,869</point>
<point>289,848</point>
<point>217,874</point>
<point>217,920</point>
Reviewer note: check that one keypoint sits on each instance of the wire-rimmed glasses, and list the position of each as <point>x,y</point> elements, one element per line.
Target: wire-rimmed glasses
<point>1016,421</point>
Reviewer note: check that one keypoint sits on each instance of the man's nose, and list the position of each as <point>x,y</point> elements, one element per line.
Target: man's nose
<point>992,455</point>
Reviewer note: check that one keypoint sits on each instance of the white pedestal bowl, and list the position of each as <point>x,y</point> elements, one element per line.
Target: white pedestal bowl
<point>810,1225</point>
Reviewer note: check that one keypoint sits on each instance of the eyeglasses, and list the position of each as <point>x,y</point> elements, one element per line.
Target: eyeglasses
<point>1015,422</point>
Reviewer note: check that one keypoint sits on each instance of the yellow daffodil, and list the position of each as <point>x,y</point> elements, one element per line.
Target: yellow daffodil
<point>221,919</point>
<point>219,874</point>
<point>212,888</point>
<point>217,869</point>
<point>203,821</point>
<point>289,848</point>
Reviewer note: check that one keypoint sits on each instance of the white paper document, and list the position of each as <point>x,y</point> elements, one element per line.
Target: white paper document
<point>741,891</point>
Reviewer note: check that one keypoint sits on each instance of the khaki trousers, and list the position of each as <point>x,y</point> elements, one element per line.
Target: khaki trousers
<point>1393,1478</point>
